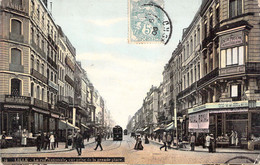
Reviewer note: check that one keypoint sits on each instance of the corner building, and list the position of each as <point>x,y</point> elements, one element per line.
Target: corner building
<point>226,96</point>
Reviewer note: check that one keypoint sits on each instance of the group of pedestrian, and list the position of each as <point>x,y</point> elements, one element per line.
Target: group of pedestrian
<point>46,141</point>
<point>138,144</point>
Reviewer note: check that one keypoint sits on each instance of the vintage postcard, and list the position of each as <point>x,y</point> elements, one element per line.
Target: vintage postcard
<point>129,82</point>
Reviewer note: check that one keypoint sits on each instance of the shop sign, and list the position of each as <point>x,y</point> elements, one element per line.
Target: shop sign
<point>237,104</point>
<point>199,122</point>
<point>231,40</point>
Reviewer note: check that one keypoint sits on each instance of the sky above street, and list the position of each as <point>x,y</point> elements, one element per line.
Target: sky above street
<point>122,73</point>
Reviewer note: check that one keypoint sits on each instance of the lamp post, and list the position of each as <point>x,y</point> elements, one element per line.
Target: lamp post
<point>181,120</point>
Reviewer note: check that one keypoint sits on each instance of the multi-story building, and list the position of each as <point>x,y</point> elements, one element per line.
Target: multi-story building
<point>39,73</point>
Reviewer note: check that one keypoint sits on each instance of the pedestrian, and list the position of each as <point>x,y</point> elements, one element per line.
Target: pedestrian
<point>3,141</point>
<point>79,143</point>
<point>57,139</point>
<point>192,142</point>
<point>146,140</point>
<point>211,143</point>
<point>232,137</point>
<point>236,138</point>
<point>207,143</point>
<point>88,136</point>
<point>138,144</point>
<point>98,140</point>
<point>164,141</point>
<point>152,136</point>
<point>52,141</point>
<point>39,142</point>
<point>48,140</point>
<point>42,140</point>
<point>24,138</point>
<point>169,140</point>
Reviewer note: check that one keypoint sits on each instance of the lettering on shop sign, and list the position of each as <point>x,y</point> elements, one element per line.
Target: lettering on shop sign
<point>232,40</point>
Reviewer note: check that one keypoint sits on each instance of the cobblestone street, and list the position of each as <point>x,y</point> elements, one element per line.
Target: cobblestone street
<point>150,155</point>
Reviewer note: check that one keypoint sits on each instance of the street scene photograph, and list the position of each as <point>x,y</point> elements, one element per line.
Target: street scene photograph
<point>129,82</point>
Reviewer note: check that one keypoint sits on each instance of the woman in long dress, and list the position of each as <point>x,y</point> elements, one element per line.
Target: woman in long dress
<point>24,139</point>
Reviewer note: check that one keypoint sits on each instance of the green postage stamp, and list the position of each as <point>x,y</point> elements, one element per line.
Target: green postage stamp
<point>148,22</point>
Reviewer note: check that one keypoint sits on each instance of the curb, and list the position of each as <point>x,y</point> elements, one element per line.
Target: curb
<point>53,151</point>
<point>233,152</point>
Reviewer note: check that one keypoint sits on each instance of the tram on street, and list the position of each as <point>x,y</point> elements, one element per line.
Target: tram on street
<point>125,132</point>
<point>117,133</point>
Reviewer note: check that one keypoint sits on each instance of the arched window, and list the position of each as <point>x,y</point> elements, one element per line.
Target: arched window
<point>38,92</point>
<point>16,56</point>
<point>15,87</point>
<point>16,27</point>
<point>32,89</point>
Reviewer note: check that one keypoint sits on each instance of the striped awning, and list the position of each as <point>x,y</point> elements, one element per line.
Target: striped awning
<point>146,128</point>
<point>170,126</point>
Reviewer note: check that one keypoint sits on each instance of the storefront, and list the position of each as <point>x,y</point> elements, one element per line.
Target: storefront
<point>225,120</point>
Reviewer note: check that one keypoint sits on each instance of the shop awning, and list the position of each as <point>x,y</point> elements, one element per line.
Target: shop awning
<point>139,130</point>
<point>170,126</point>
<point>158,129</point>
<point>85,126</point>
<point>146,128</point>
<point>63,125</point>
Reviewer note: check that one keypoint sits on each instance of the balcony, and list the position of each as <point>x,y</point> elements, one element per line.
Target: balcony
<point>38,49</point>
<point>18,99</point>
<point>232,70</point>
<point>253,67</point>
<point>53,63</point>
<point>16,7</point>
<point>16,68</point>
<point>53,85</point>
<point>39,76</point>
<point>70,63</point>
<point>16,37</point>
<point>187,90</point>
<point>40,104</point>
<point>69,80</point>
<point>208,77</point>
<point>210,36</point>
<point>63,98</point>
<point>52,42</point>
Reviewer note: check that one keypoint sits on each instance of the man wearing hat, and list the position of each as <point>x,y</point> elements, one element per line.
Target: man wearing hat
<point>98,140</point>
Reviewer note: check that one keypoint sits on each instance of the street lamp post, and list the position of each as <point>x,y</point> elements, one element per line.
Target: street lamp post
<point>66,144</point>
<point>181,120</point>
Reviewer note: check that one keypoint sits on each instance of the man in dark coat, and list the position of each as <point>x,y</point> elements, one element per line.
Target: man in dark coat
<point>79,143</point>
<point>39,142</point>
<point>98,140</point>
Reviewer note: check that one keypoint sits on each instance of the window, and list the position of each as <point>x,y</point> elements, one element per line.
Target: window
<point>38,40</point>
<point>15,87</point>
<point>38,92</point>
<point>235,8</point>
<point>15,56</point>
<point>217,14</point>
<point>42,94</point>
<point>191,76</point>
<point>235,90</point>
<point>187,51</point>
<point>232,56</point>
<point>51,76</point>
<point>32,6</point>
<point>32,34</point>
<point>195,73</point>
<point>198,35</point>
<point>205,29</point>
<point>42,45</point>
<point>48,74</point>
<point>42,19</point>
<point>195,42</point>
<point>191,46</point>
<point>38,66</point>
<point>16,27</point>
<point>188,79</point>
<point>32,62</point>
<point>42,69</point>
<point>48,96</point>
<point>32,89</point>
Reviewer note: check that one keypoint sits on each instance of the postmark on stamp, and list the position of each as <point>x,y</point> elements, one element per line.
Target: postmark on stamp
<point>148,22</point>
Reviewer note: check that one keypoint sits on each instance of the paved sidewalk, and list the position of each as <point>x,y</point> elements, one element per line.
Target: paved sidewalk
<point>218,150</point>
<point>32,150</point>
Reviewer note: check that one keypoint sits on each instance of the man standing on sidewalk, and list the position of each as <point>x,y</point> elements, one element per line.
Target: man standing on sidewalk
<point>164,141</point>
<point>79,144</point>
<point>98,140</point>
<point>192,142</point>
